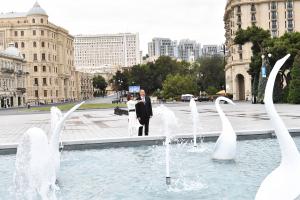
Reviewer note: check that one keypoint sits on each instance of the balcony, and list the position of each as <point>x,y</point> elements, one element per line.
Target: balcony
<point>22,90</point>
<point>7,70</point>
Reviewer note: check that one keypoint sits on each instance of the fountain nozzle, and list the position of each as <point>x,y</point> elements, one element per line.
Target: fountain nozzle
<point>168,180</point>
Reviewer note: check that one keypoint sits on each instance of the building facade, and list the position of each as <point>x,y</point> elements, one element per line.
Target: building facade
<point>277,16</point>
<point>189,50</point>
<point>100,52</point>
<point>162,47</point>
<point>49,54</point>
<point>12,78</point>
<point>212,50</point>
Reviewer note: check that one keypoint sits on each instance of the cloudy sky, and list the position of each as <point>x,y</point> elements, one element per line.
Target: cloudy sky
<point>200,20</point>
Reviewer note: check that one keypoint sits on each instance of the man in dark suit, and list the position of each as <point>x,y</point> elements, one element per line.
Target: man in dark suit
<point>143,112</point>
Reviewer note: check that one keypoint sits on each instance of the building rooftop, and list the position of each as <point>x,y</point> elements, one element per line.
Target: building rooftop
<point>35,10</point>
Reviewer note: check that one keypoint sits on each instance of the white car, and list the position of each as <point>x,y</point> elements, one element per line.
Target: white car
<point>186,97</point>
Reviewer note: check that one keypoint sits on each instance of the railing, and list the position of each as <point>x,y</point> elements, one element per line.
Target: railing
<point>7,70</point>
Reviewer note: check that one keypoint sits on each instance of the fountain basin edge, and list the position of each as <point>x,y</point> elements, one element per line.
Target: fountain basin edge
<point>10,148</point>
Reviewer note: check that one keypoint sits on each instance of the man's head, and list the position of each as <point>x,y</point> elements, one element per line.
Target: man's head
<point>142,93</point>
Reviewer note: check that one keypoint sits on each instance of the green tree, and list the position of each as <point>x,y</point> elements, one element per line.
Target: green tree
<point>210,72</point>
<point>119,81</point>
<point>100,85</point>
<point>294,89</point>
<point>259,39</point>
<point>176,85</point>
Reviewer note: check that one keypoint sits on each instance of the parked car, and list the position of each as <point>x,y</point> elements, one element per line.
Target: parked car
<point>186,97</point>
<point>204,98</point>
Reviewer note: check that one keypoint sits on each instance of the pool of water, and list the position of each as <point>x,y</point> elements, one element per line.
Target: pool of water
<point>139,173</point>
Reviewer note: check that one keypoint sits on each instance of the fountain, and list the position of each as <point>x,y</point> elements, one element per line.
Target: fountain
<point>57,123</point>
<point>283,182</point>
<point>195,117</point>
<point>169,119</point>
<point>225,148</point>
<point>38,160</point>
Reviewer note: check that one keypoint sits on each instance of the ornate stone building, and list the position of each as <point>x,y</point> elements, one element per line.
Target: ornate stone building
<point>49,54</point>
<point>12,78</point>
<point>277,16</point>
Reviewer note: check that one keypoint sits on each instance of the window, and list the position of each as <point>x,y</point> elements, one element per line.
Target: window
<point>35,68</point>
<point>36,81</point>
<point>43,44</point>
<point>290,14</point>
<point>36,92</point>
<point>44,68</point>
<point>42,32</point>
<point>289,4</point>
<point>274,25</point>
<point>22,33</point>
<point>253,9</point>
<point>34,32</point>
<point>35,56</point>
<point>42,20</point>
<point>34,44</point>
<point>16,33</point>
<point>22,44</point>
<point>16,45</point>
<point>241,56</point>
<point>56,93</point>
<point>253,17</point>
<point>45,93</point>
<point>33,20</point>
<point>23,55</point>
<point>273,5</point>
<point>274,15</point>
<point>43,56</point>
<point>44,81</point>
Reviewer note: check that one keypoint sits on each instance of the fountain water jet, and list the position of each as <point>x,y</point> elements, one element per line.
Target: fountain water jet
<point>38,160</point>
<point>225,148</point>
<point>195,117</point>
<point>169,119</point>
<point>283,182</point>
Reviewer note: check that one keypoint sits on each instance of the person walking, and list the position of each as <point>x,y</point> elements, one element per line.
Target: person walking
<point>133,123</point>
<point>143,112</point>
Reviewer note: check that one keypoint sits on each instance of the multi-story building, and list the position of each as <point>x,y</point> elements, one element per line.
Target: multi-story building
<point>48,51</point>
<point>86,84</point>
<point>212,50</point>
<point>277,16</point>
<point>12,78</point>
<point>96,52</point>
<point>162,47</point>
<point>189,50</point>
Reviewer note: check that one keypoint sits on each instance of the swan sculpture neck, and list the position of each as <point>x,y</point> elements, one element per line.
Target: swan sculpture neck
<point>57,128</point>
<point>224,119</point>
<point>286,142</point>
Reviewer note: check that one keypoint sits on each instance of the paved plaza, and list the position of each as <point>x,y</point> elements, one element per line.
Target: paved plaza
<point>100,124</point>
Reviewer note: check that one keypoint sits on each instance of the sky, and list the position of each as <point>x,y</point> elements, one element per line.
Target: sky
<point>200,20</point>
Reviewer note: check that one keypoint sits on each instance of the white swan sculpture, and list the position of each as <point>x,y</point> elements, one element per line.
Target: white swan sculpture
<point>38,159</point>
<point>225,148</point>
<point>284,182</point>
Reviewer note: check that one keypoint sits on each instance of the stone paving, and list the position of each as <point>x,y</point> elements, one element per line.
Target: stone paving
<point>103,124</point>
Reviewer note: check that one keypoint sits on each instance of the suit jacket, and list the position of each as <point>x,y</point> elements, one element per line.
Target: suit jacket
<point>144,110</point>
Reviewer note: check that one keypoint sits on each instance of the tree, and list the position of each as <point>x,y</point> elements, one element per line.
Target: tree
<point>119,81</point>
<point>176,85</point>
<point>294,89</point>
<point>210,72</point>
<point>259,39</point>
<point>100,84</point>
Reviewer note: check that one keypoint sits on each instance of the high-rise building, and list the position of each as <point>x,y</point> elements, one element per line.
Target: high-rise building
<point>106,53</point>
<point>12,78</point>
<point>48,51</point>
<point>212,50</point>
<point>162,47</point>
<point>277,16</point>
<point>189,50</point>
